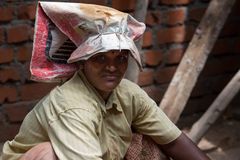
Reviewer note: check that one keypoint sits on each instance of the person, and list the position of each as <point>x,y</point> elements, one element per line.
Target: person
<point>93,114</point>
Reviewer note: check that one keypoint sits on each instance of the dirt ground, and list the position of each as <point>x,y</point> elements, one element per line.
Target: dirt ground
<point>222,141</point>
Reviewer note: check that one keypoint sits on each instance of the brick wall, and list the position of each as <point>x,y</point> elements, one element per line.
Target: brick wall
<point>170,26</point>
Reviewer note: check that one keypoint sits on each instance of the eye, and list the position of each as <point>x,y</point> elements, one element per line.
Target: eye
<point>99,59</point>
<point>121,59</point>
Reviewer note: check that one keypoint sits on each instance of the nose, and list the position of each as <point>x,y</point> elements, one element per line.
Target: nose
<point>111,67</point>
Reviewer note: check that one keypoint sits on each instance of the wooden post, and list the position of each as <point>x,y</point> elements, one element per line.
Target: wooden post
<point>195,57</point>
<point>215,110</point>
<point>132,72</point>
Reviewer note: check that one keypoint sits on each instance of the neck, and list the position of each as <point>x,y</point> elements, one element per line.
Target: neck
<point>104,95</point>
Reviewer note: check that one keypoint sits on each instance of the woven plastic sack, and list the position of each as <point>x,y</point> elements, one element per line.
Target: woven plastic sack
<point>69,32</point>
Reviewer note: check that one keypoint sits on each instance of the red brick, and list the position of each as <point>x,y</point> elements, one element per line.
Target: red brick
<point>165,75</point>
<point>175,2</point>
<point>230,29</point>
<point>235,10</point>
<point>205,1</point>
<point>174,16</point>
<point>231,63</point>
<point>147,39</point>
<point>24,53</point>
<point>124,5</point>
<point>31,33</point>
<point>196,13</point>
<point>9,74</point>
<point>190,30</point>
<point>237,46</point>
<point>201,88</point>
<point>17,111</point>
<point>2,119</point>
<point>209,85</point>
<point>153,57</point>
<point>146,77</point>
<point>8,93</point>
<point>174,55</point>
<point>220,82</point>
<point>158,16</point>
<point>197,105</point>
<point>223,46</point>
<point>6,54</point>
<point>7,14</point>
<point>2,37</point>
<point>27,11</point>
<point>34,91</point>
<point>151,19</point>
<point>170,35</point>
<point>8,132</point>
<point>220,66</point>
<point>27,71</point>
<point>100,2</point>
<point>156,93</point>
<point>18,33</point>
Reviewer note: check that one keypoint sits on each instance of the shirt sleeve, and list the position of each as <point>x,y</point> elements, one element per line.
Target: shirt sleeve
<point>73,135</point>
<point>152,121</point>
<point>30,134</point>
<point>71,132</point>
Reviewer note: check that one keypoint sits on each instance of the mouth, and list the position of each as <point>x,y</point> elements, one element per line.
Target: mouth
<point>111,77</point>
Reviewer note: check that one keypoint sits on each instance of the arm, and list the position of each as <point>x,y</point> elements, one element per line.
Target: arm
<point>74,141</point>
<point>183,149</point>
<point>151,120</point>
<point>42,151</point>
<point>30,134</point>
<point>73,136</point>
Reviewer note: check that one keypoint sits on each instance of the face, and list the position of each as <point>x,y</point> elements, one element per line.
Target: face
<point>105,70</point>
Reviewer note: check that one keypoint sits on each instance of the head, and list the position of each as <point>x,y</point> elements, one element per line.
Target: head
<point>78,38</point>
<point>105,70</point>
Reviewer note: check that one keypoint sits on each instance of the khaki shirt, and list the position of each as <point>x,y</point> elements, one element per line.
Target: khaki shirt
<point>81,126</point>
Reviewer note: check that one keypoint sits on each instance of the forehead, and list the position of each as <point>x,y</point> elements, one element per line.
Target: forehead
<point>113,52</point>
<point>99,60</point>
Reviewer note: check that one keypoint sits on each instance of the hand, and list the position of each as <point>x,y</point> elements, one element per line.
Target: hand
<point>42,151</point>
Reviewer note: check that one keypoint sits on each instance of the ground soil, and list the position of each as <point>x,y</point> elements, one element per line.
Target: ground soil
<point>222,141</point>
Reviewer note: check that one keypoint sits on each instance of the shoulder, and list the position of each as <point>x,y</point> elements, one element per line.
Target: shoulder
<point>134,100</point>
<point>132,94</point>
<point>127,85</point>
<point>139,97</point>
<point>69,96</point>
<point>131,89</point>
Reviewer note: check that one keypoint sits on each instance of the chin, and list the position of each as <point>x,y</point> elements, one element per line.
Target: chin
<point>109,88</point>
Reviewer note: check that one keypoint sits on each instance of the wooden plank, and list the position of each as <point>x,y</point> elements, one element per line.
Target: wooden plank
<point>195,57</point>
<point>199,128</point>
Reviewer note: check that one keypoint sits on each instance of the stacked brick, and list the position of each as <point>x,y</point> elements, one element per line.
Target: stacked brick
<point>170,26</point>
<point>17,93</point>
